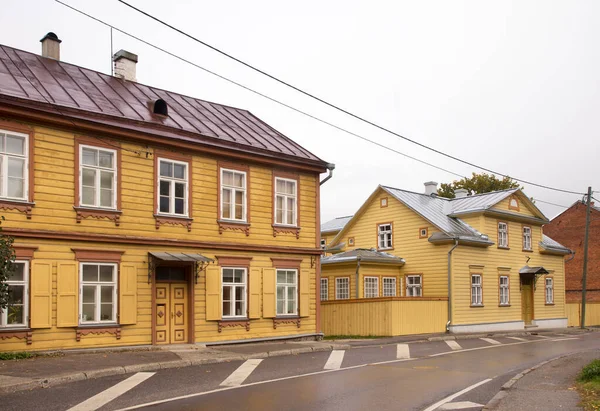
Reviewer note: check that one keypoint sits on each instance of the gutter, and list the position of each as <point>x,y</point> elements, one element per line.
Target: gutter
<point>330,168</point>
<point>358,259</point>
<point>450,284</point>
<point>572,256</point>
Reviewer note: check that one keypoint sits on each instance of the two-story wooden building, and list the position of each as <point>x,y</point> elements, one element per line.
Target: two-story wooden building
<point>143,216</point>
<point>484,254</point>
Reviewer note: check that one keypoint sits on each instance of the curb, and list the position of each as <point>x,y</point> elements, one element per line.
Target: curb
<point>156,366</point>
<point>497,399</point>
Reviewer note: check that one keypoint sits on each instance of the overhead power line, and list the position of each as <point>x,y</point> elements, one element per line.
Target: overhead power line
<point>338,108</point>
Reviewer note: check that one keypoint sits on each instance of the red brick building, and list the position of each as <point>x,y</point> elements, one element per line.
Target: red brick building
<point>568,228</point>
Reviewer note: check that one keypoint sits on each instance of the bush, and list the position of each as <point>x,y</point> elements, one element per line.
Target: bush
<point>14,355</point>
<point>590,371</point>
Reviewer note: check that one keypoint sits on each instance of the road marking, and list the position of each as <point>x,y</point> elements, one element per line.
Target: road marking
<point>453,396</point>
<point>491,341</point>
<point>402,351</point>
<point>517,338</point>
<point>565,339</point>
<point>454,345</point>
<point>460,405</point>
<point>493,346</point>
<point>334,362</point>
<point>113,392</point>
<point>539,336</point>
<point>239,376</point>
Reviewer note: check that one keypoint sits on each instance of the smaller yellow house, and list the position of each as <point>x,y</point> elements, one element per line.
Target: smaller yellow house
<point>331,228</point>
<point>481,262</point>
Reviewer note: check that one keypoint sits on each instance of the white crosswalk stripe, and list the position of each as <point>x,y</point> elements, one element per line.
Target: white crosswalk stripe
<point>243,371</point>
<point>113,392</point>
<point>540,336</point>
<point>402,351</point>
<point>335,359</point>
<point>517,338</point>
<point>459,405</point>
<point>454,345</point>
<point>491,341</point>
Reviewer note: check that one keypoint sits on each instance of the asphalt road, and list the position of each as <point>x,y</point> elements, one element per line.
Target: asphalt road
<point>386,377</point>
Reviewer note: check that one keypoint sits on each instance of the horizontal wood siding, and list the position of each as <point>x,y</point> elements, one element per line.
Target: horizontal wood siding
<point>592,314</point>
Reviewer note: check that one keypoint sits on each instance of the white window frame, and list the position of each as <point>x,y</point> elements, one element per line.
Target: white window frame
<point>502,234</point>
<point>385,237</point>
<point>25,284</point>
<point>506,288</point>
<point>233,190</point>
<point>172,181</point>
<point>476,290</point>
<point>527,244</point>
<point>243,285</point>
<point>97,180</point>
<point>285,287</point>
<point>338,289</point>
<point>4,156</point>
<point>411,285</point>
<point>97,300</point>
<point>373,293</point>
<point>386,290</point>
<point>323,243</point>
<point>549,287</point>
<point>325,291</point>
<point>285,197</point>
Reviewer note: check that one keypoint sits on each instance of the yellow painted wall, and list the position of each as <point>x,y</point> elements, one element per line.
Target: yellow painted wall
<point>592,314</point>
<point>524,209</point>
<point>366,270</point>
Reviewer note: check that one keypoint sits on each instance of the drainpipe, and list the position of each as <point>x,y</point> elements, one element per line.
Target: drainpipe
<point>357,275</point>
<point>330,168</point>
<point>450,285</point>
<point>572,256</point>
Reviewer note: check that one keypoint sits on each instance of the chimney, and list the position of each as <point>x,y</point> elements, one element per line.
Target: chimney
<point>461,193</point>
<point>51,46</point>
<point>431,188</point>
<point>124,63</point>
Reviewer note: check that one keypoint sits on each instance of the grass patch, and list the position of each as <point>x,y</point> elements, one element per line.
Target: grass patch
<point>14,355</point>
<point>588,386</point>
<point>351,337</point>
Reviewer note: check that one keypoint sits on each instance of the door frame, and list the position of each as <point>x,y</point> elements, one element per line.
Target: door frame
<point>191,298</point>
<point>531,281</point>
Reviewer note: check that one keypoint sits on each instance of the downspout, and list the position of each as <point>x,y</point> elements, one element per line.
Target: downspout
<point>330,168</point>
<point>358,258</point>
<point>572,256</point>
<point>450,284</point>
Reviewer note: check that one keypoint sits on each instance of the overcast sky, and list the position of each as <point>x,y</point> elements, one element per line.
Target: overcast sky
<point>513,86</point>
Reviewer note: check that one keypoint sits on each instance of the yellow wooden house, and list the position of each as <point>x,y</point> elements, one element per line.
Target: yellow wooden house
<point>143,216</point>
<point>484,256</point>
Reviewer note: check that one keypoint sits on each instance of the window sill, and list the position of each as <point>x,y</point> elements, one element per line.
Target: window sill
<point>23,206</point>
<point>23,333</point>
<point>503,248</point>
<point>527,250</point>
<point>234,225</point>
<point>293,319</point>
<point>549,304</point>
<point>108,328</point>
<point>503,305</point>
<point>99,213</point>
<point>234,322</point>
<point>476,305</point>
<point>162,219</point>
<point>385,249</point>
<point>281,229</point>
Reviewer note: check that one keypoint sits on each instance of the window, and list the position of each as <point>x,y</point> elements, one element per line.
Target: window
<point>389,287</point>
<point>14,162</point>
<point>502,234</point>
<point>414,286</point>
<point>504,290</point>
<point>513,204</point>
<point>233,195</point>
<point>285,201</point>
<point>234,292</point>
<point>323,243</point>
<point>173,187</point>
<point>287,292</point>
<point>342,288</point>
<point>385,236</point>
<point>324,289</point>
<point>98,293</point>
<point>526,238</point>
<point>383,202</point>
<point>351,241</point>
<point>549,290</point>
<point>15,315</point>
<point>98,177</point>
<point>476,292</point>
<point>423,232</point>
<point>371,287</point>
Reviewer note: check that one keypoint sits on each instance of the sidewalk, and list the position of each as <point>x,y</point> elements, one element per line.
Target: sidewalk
<point>549,386</point>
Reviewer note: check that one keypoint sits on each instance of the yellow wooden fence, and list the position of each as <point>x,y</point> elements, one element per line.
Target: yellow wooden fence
<point>592,314</point>
<point>386,316</point>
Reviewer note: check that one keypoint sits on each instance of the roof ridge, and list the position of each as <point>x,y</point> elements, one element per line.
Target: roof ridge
<point>414,192</point>
<point>485,194</point>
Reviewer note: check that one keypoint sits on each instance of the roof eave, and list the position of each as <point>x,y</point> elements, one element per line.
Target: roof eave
<point>515,217</point>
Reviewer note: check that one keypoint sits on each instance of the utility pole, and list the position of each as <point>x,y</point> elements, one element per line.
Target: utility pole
<point>585,254</point>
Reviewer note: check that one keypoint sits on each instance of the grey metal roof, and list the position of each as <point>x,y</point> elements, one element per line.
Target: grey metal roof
<point>182,257</point>
<point>551,245</point>
<point>335,225</point>
<point>365,255</point>
<point>533,270</point>
<point>479,202</point>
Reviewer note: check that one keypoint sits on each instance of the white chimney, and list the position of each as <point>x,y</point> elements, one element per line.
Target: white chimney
<point>51,46</point>
<point>124,63</point>
<point>461,193</point>
<point>431,188</point>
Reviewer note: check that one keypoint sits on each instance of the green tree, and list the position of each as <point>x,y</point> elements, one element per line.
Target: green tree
<point>7,266</point>
<point>477,184</point>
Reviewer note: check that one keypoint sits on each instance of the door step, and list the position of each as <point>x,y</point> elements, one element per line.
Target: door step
<point>531,326</point>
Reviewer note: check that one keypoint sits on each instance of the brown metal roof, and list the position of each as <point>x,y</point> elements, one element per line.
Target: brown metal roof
<point>92,96</point>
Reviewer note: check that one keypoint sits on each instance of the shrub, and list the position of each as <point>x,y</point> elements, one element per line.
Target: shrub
<point>590,371</point>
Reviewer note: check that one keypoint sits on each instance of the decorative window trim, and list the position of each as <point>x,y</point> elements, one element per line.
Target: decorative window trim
<point>232,224</point>
<point>337,289</point>
<point>395,281</point>
<point>507,246</point>
<point>233,323</point>
<point>279,228</point>
<point>471,275</point>
<point>511,206</point>
<point>391,224</point>
<point>546,278</point>
<point>530,238</point>
<point>92,255</point>
<point>284,263</point>
<point>97,302</point>
<point>94,329</point>
<point>283,320</point>
<point>370,277</point>
<point>423,232</point>
<point>407,285</point>
<point>82,211</point>
<point>500,276</point>
<point>233,261</point>
<point>383,202</point>
<point>160,218</point>
<point>24,252</point>
<point>324,280</point>
<point>19,333</point>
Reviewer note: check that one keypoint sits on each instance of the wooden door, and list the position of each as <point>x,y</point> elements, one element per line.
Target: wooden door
<point>171,313</point>
<point>163,313</point>
<point>527,300</point>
